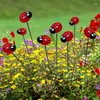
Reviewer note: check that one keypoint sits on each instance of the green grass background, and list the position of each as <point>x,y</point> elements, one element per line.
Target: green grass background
<point>45,12</point>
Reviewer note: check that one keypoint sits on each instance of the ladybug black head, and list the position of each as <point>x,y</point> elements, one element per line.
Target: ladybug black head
<point>71,23</point>
<point>13,47</point>
<point>52,30</point>
<point>63,39</point>
<point>39,39</point>
<point>93,36</point>
<point>29,14</point>
<point>18,31</point>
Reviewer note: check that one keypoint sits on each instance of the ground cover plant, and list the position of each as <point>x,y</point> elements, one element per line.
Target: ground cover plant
<point>49,69</point>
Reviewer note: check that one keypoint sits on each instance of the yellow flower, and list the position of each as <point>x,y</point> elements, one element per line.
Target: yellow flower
<point>13,86</point>
<point>5,86</point>
<point>73,55</point>
<point>88,74</point>
<point>66,76</point>
<point>0,67</point>
<point>20,99</point>
<point>70,53</point>
<point>96,50</point>
<point>78,81</point>
<point>27,55</point>
<point>1,87</point>
<point>42,81</point>
<point>6,69</point>
<point>78,64</point>
<point>28,78</point>
<point>78,69</point>
<point>82,77</point>
<point>49,81</point>
<point>21,59</point>
<point>30,47</point>
<point>12,58</point>
<point>22,42</point>
<point>94,76</point>
<point>64,65</point>
<point>26,63</point>
<point>1,55</point>
<point>88,71</point>
<point>22,69</point>
<point>11,82</point>
<point>34,70</point>
<point>71,71</point>
<point>14,65</point>
<point>8,64</point>
<point>82,83</point>
<point>56,96</point>
<point>40,99</point>
<point>46,63</point>
<point>16,76</point>
<point>32,56</point>
<point>34,78</point>
<point>64,70</point>
<point>77,85</point>
<point>98,33</point>
<point>22,54</point>
<point>71,65</point>
<point>60,80</point>
<point>82,71</point>
<point>44,73</point>
<point>36,52</point>
<point>25,82</point>
<point>19,64</point>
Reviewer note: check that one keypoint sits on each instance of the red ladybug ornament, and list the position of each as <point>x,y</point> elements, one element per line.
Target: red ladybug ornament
<point>25,16</point>
<point>44,39</point>
<point>55,28</point>
<point>74,20</point>
<point>98,93</point>
<point>67,36</point>
<point>97,70</point>
<point>88,31</point>
<point>97,17</point>
<point>22,31</point>
<point>5,40</point>
<point>94,24</point>
<point>8,48</point>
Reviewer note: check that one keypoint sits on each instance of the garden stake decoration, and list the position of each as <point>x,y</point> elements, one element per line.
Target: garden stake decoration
<point>9,48</point>
<point>45,40</point>
<point>24,18</point>
<point>90,34</point>
<point>22,31</point>
<point>66,37</point>
<point>55,29</point>
<point>73,21</point>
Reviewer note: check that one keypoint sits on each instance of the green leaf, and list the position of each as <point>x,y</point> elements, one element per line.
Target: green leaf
<point>30,97</point>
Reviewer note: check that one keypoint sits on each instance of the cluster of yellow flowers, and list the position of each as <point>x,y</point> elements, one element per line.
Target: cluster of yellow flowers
<point>40,75</point>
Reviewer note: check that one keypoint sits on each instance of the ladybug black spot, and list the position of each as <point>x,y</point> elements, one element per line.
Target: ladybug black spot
<point>93,36</point>
<point>71,23</point>
<point>18,31</point>
<point>52,30</point>
<point>63,39</point>
<point>29,14</point>
<point>13,47</point>
<point>39,39</point>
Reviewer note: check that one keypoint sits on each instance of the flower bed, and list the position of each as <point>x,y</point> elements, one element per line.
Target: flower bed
<point>68,72</point>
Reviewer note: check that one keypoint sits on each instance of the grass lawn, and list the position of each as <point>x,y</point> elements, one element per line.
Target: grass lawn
<point>39,26</point>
